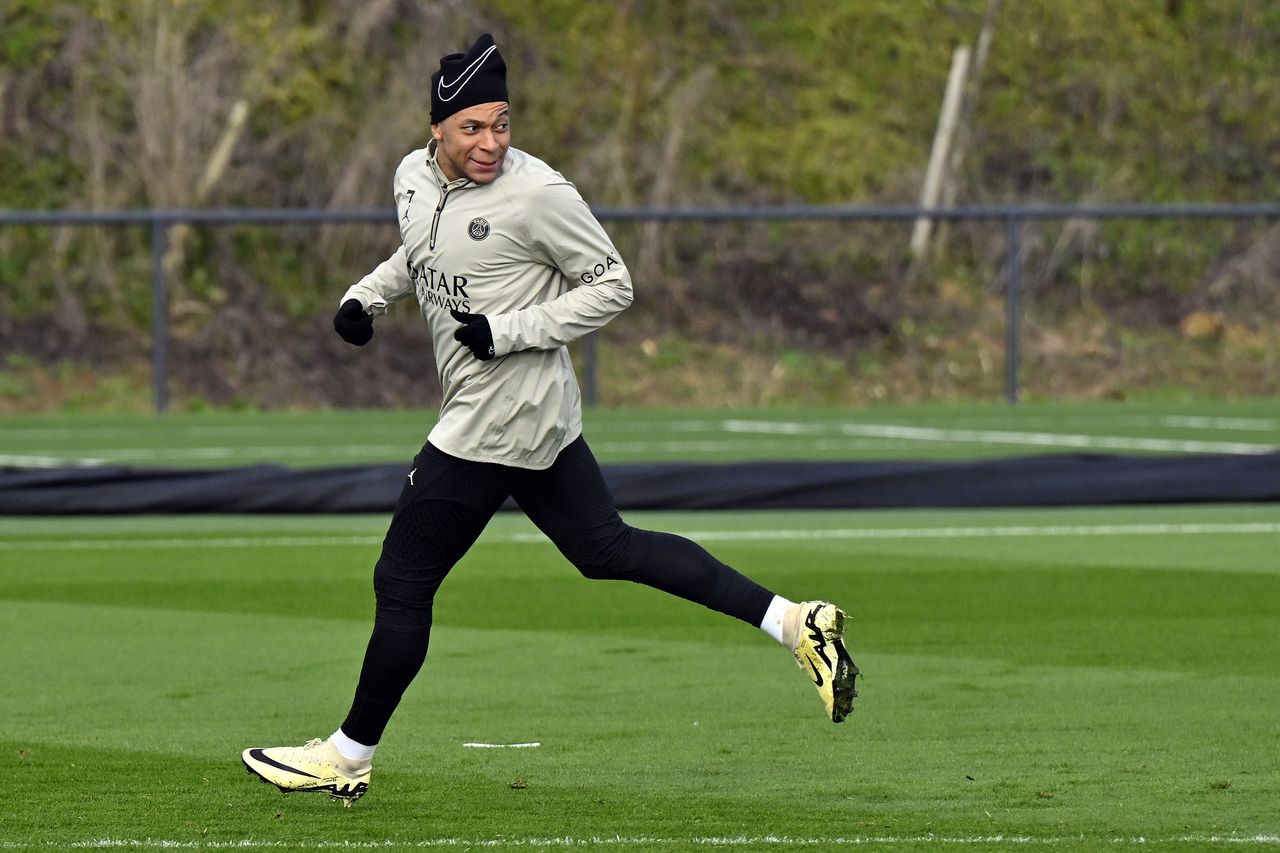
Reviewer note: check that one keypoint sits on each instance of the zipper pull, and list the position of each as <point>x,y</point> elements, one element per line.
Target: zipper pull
<point>435,220</point>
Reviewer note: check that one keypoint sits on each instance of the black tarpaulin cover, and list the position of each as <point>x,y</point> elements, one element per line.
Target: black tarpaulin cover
<point>1049,480</point>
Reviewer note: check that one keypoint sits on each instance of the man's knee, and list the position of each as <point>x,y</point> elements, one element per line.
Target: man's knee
<point>600,571</point>
<point>404,597</point>
<point>615,556</point>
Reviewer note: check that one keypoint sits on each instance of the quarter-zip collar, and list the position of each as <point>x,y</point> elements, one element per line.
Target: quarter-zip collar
<point>439,175</point>
<point>446,186</point>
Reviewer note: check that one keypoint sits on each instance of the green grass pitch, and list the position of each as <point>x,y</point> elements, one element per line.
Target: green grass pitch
<point>949,431</point>
<point>1062,676</point>
<point>1072,678</point>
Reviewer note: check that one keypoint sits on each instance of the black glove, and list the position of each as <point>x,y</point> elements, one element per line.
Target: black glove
<point>355,326</point>
<point>474,334</point>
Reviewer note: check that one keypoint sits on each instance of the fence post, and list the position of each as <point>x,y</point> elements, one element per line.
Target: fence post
<point>159,316</point>
<point>1012,311</point>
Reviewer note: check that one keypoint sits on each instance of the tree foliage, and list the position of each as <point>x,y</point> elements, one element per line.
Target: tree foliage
<point>109,104</point>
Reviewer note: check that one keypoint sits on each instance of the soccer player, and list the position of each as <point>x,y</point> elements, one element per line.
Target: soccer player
<point>509,265</point>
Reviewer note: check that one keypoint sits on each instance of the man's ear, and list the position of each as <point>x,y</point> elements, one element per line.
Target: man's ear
<point>435,132</point>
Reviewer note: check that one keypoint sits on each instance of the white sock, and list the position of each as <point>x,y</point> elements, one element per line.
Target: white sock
<point>349,749</point>
<point>774,618</point>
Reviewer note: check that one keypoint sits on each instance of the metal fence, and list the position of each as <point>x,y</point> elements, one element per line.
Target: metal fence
<point>1012,216</point>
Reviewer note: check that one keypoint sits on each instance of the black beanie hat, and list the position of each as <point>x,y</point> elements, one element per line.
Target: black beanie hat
<point>478,76</point>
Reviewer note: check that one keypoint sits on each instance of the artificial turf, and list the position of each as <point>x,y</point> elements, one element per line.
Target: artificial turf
<point>936,431</point>
<point>1078,678</point>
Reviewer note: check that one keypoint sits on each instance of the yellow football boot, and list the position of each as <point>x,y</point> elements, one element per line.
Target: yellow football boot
<point>315,766</point>
<point>818,646</point>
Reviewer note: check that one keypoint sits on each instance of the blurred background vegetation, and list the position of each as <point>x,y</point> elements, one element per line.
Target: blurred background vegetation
<point>111,104</point>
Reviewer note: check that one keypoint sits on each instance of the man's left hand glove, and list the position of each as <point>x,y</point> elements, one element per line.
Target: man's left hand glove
<point>474,334</point>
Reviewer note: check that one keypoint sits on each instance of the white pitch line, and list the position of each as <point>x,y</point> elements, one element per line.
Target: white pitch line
<point>238,431</point>
<point>187,544</point>
<point>827,842</point>
<point>101,456</point>
<point>130,455</point>
<point>1198,422</point>
<point>998,532</point>
<point>21,460</point>
<point>530,745</point>
<point>1001,436</point>
<point>906,533</point>
<point>711,445</point>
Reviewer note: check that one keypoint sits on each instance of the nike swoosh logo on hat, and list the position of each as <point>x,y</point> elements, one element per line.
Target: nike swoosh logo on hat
<point>467,74</point>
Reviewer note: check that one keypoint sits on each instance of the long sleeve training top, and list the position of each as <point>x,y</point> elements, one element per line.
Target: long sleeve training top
<point>525,251</point>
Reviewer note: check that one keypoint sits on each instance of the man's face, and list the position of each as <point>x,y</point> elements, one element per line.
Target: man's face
<point>473,142</point>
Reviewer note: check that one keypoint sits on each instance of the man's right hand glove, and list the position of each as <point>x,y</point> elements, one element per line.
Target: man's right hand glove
<point>474,333</point>
<point>355,326</point>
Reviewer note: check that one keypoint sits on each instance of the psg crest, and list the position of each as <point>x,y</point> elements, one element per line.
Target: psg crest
<point>478,229</point>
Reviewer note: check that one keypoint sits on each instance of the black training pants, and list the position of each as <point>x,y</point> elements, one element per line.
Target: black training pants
<point>446,503</point>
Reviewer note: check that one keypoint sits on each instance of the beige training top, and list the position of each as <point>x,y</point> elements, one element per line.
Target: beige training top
<point>525,251</point>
